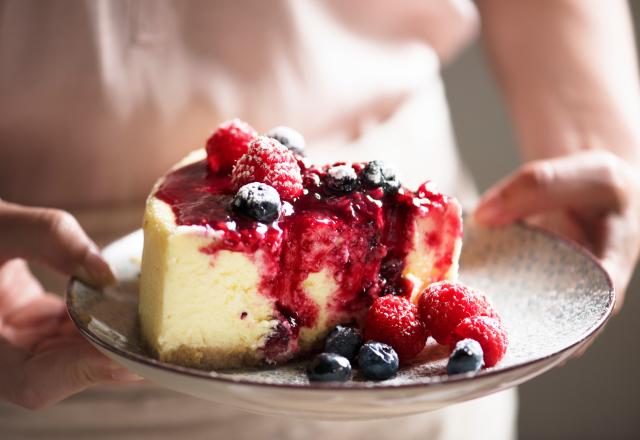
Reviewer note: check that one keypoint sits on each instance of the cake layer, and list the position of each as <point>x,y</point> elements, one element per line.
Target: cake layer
<point>220,290</point>
<point>195,309</point>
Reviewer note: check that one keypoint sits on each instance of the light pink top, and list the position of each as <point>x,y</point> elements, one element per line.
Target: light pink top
<point>98,98</point>
<point>92,90</point>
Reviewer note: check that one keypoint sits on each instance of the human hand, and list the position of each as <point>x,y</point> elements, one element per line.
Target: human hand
<point>592,198</point>
<point>43,358</point>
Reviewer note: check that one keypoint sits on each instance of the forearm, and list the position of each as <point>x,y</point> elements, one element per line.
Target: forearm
<point>569,73</point>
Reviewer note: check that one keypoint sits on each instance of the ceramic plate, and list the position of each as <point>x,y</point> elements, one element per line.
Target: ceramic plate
<point>552,295</point>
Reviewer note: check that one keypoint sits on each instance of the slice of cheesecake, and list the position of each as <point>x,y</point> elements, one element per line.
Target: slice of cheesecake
<point>220,289</point>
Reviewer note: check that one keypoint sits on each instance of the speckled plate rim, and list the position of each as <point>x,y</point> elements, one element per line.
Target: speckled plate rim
<point>429,381</point>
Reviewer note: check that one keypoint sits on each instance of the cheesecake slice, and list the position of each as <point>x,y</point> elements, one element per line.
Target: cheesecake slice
<point>220,289</point>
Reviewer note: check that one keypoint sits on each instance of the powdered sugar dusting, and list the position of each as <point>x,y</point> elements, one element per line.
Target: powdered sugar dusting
<point>341,172</point>
<point>269,162</point>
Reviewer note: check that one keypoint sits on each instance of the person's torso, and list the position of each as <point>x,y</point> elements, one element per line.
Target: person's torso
<point>100,97</point>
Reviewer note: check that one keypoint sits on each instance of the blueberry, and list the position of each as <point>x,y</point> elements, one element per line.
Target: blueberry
<point>377,174</point>
<point>345,341</point>
<point>258,201</point>
<point>342,179</point>
<point>378,361</point>
<point>288,137</point>
<point>329,367</point>
<point>466,357</point>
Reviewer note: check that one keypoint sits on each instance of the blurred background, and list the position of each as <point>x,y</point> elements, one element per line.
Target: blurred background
<point>598,395</point>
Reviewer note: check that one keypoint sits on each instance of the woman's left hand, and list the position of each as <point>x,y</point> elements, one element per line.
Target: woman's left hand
<point>591,197</point>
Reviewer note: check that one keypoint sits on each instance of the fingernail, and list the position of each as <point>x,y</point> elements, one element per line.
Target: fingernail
<point>95,270</point>
<point>123,375</point>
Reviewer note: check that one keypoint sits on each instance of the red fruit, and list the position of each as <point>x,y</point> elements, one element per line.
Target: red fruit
<point>443,305</point>
<point>268,161</point>
<point>490,334</point>
<point>228,143</point>
<point>394,320</point>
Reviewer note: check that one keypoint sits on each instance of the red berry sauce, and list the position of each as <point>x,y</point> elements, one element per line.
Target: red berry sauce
<point>362,238</point>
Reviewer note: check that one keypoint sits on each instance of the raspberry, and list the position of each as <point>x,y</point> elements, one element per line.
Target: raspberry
<point>228,143</point>
<point>443,305</point>
<point>268,161</point>
<point>490,334</point>
<point>394,320</point>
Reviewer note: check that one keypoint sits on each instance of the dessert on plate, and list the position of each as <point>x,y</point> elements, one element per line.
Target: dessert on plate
<point>253,254</point>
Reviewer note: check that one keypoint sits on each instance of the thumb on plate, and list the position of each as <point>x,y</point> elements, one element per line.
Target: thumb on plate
<point>53,237</point>
<point>585,181</point>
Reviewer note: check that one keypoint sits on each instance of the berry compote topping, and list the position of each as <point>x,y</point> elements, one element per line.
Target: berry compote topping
<point>362,237</point>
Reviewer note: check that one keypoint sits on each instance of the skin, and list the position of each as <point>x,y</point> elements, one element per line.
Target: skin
<point>43,358</point>
<point>574,97</point>
<point>574,101</point>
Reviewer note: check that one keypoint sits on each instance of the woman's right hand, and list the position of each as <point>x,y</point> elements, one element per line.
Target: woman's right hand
<point>43,358</point>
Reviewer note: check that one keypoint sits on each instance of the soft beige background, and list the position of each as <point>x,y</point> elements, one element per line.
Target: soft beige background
<point>598,395</point>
